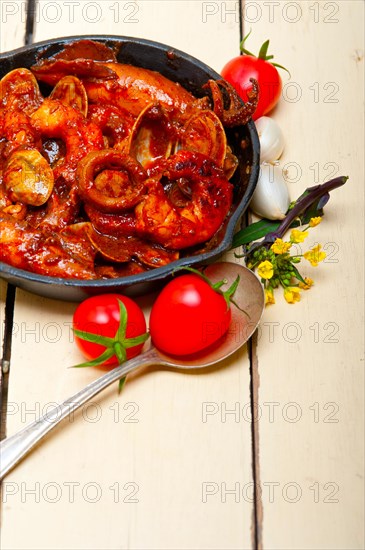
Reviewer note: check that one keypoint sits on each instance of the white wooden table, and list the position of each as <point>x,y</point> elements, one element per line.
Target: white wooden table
<point>266,452</point>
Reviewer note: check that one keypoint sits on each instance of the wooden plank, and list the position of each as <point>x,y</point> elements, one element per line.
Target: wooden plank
<point>199,28</point>
<point>310,362</point>
<point>13,19</point>
<point>4,355</point>
<point>155,467</point>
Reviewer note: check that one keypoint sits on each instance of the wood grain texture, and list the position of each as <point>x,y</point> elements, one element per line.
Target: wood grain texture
<point>13,18</point>
<point>310,356</point>
<point>155,467</point>
<point>168,463</point>
<point>3,358</point>
<point>150,458</point>
<point>196,27</point>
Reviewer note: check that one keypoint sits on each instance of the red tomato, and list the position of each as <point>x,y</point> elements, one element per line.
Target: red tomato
<point>100,315</point>
<point>188,315</point>
<point>240,69</point>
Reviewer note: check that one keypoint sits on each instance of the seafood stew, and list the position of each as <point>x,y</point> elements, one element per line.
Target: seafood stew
<point>123,171</point>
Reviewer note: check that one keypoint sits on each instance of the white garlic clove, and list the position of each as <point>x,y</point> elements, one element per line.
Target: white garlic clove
<point>271,197</point>
<point>271,139</point>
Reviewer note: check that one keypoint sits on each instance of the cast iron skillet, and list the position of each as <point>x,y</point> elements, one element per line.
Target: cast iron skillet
<point>192,74</point>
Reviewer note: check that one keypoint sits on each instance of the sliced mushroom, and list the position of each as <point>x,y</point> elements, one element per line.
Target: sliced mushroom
<point>28,177</point>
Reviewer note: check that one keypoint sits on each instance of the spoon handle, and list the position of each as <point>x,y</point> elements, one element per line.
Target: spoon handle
<point>15,447</point>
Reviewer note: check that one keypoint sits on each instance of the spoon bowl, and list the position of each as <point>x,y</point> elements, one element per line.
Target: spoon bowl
<point>249,296</point>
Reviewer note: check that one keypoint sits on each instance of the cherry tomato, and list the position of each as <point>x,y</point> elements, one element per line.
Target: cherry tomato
<point>101,316</point>
<point>188,315</point>
<point>239,70</point>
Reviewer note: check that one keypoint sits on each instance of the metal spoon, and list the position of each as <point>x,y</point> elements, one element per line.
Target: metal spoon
<point>250,298</point>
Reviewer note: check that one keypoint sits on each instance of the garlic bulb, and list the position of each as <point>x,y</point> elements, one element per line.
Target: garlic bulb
<point>271,197</point>
<point>271,139</point>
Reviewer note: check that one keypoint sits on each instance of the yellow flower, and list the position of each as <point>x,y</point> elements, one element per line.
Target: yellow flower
<point>308,283</point>
<point>269,296</point>
<point>297,236</point>
<point>315,221</point>
<point>292,294</point>
<point>315,255</point>
<point>265,270</point>
<point>280,247</point>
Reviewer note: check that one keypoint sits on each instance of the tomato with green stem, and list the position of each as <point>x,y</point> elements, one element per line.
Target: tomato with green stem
<point>239,70</point>
<point>109,329</point>
<point>190,314</point>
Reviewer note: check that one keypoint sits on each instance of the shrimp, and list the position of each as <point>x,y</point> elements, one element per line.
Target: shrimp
<point>17,130</point>
<point>23,170</point>
<point>193,220</point>
<point>55,119</point>
<point>115,123</point>
<point>135,88</point>
<point>54,255</point>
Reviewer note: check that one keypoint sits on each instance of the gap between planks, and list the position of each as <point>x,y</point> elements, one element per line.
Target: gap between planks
<point>257,515</point>
<point>30,22</point>
<point>257,519</point>
<point>6,354</point>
